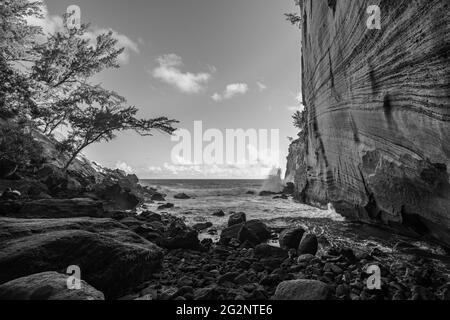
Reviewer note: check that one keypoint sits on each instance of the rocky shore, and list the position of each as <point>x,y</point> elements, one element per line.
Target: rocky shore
<point>95,218</point>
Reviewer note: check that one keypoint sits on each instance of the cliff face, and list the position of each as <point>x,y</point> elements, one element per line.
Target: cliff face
<point>377,137</point>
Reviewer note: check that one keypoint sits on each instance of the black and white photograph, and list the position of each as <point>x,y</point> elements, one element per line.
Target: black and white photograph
<point>225,156</point>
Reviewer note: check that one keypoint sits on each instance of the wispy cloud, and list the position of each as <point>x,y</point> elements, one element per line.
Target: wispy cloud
<point>124,167</point>
<point>169,72</point>
<point>231,91</point>
<point>262,87</point>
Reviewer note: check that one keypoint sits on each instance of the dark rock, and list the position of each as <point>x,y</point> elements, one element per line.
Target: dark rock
<point>179,236</point>
<point>247,236</point>
<point>236,218</point>
<point>290,238</point>
<point>219,213</point>
<point>267,193</point>
<point>227,277</point>
<point>289,188</point>
<point>308,244</point>
<point>166,206</point>
<point>302,290</point>
<point>250,192</point>
<point>202,226</point>
<point>255,226</point>
<point>116,195</point>
<point>52,208</point>
<point>267,251</point>
<point>149,216</point>
<point>208,293</point>
<point>305,258</point>
<point>111,258</point>
<point>158,197</point>
<point>181,196</point>
<point>47,286</point>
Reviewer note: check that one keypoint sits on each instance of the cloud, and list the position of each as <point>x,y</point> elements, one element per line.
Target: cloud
<point>124,167</point>
<point>231,91</point>
<point>262,87</point>
<point>169,72</point>
<point>296,108</point>
<point>52,24</point>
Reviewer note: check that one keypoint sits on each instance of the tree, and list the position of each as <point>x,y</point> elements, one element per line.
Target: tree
<point>92,124</point>
<point>294,18</point>
<point>57,84</point>
<point>17,40</point>
<point>66,63</point>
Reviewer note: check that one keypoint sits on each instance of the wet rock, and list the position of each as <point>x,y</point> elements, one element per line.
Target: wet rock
<point>290,238</point>
<point>158,197</point>
<point>255,226</point>
<point>47,286</point>
<point>308,244</point>
<point>250,192</point>
<point>236,218</point>
<point>202,226</point>
<point>166,206</point>
<point>267,193</point>
<point>219,213</point>
<point>112,258</point>
<point>181,196</point>
<point>116,196</point>
<point>302,290</point>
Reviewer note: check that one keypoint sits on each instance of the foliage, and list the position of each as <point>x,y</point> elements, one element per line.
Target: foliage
<point>294,18</point>
<point>47,78</point>
<point>299,118</point>
<point>18,146</point>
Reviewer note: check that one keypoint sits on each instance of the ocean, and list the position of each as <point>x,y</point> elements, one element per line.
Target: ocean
<point>208,196</point>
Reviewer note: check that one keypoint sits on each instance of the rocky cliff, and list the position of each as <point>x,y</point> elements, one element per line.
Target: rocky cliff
<point>376,142</point>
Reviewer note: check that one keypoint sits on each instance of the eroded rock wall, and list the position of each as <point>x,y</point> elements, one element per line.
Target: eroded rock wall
<point>378,112</point>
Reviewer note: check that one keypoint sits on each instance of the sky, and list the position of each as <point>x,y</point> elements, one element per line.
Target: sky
<point>231,64</point>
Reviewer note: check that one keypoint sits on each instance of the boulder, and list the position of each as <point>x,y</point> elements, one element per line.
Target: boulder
<point>47,286</point>
<point>202,226</point>
<point>219,213</point>
<point>181,196</point>
<point>290,238</point>
<point>247,236</point>
<point>267,251</point>
<point>116,196</point>
<point>236,218</point>
<point>267,193</point>
<point>179,236</point>
<point>111,258</point>
<point>289,188</point>
<point>309,244</point>
<point>302,290</point>
<point>166,206</point>
<point>255,226</point>
<point>158,197</point>
<point>52,208</point>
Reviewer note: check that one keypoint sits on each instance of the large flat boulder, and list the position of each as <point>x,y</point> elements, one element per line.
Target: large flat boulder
<point>52,208</point>
<point>111,257</point>
<point>302,290</point>
<point>47,286</point>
